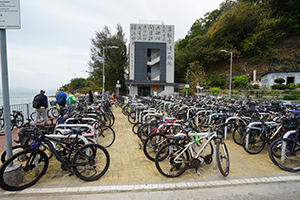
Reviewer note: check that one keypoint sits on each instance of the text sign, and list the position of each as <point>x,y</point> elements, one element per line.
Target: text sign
<point>10,14</point>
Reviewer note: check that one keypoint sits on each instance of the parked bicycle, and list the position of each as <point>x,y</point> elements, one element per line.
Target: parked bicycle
<point>173,159</point>
<point>88,162</point>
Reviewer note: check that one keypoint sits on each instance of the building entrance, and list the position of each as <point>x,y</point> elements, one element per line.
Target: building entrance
<point>290,80</point>
<point>144,90</point>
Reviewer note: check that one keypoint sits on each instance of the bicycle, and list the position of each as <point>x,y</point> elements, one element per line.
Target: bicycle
<point>17,119</point>
<point>173,158</point>
<point>32,163</point>
<point>285,152</point>
<point>256,138</point>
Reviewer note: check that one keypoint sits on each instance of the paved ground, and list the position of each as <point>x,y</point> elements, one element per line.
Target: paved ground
<point>130,170</point>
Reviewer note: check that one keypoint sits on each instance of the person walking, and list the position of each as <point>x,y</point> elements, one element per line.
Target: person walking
<point>61,98</point>
<point>40,103</point>
<point>71,101</point>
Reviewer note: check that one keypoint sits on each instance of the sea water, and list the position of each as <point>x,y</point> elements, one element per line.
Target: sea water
<point>20,98</point>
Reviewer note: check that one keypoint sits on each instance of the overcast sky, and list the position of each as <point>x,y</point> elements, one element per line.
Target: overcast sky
<point>53,44</point>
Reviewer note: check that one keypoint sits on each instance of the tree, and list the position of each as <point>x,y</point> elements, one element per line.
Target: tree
<point>214,80</point>
<point>240,81</point>
<point>115,59</point>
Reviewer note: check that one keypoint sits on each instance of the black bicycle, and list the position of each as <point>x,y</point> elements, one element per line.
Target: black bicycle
<point>89,162</point>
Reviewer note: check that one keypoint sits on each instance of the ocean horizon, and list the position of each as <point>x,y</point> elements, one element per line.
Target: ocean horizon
<point>16,98</point>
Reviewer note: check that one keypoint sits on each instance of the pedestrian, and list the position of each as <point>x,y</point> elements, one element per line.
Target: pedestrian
<point>71,101</point>
<point>61,98</point>
<point>91,97</point>
<point>40,103</point>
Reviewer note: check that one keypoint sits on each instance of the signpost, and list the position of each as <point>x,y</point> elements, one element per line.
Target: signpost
<point>10,14</point>
<point>9,19</point>
<point>118,85</point>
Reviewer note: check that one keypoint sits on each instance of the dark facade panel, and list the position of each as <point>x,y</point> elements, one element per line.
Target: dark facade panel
<point>140,59</point>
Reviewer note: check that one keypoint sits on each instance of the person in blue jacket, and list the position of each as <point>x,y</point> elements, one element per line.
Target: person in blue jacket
<point>61,99</point>
<point>42,110</point>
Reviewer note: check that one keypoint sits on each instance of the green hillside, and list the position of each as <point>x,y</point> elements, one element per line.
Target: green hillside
<point>263,35</point>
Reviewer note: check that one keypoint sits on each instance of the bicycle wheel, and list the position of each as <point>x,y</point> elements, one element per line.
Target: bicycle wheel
<point>146,130</point>
<point>171,160</point>
<point>238,133</point>
<point>91,162</point>
<point>132,117</point>
<point>152,145</point>
<point>253,141</point>
<point>54,112</point>
<point>15,149</point>
<point>19,120</point>
<point>33,116</point>
<point>106,136</point>
<point>1,123</point>
<point>136,127</point>
<point>29,166</point>
<point>285,154</point>
<point>222,158</point>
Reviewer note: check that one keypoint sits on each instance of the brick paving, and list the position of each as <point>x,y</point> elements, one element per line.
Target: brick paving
<point>131,170</point>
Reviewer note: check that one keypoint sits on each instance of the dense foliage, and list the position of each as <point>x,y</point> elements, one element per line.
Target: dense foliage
<point>248,28</point>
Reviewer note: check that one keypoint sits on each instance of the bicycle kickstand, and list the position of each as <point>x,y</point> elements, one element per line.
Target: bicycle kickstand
<point>198,173</point>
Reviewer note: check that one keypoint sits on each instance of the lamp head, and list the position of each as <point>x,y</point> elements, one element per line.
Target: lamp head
<point>224,51</point>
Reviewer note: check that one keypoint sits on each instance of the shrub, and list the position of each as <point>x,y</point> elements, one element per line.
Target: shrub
<point>256,86</point>
<point>259,93</point>
<point>279,80</point>
<point>289,97</point>
<point>215,91</point>
<point>279,87</point>
<point>292,86</point>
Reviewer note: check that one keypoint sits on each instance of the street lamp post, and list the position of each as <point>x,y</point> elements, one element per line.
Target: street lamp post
<point>230,70</point>
<point>107,47</point>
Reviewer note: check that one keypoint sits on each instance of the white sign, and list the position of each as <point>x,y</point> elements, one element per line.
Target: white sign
<point>198,86</point>
<point>118,85</point>
<point>187,86</point>
<point>10,14</point>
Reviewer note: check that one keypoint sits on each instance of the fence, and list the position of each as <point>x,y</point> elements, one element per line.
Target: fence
<point>291,95</point>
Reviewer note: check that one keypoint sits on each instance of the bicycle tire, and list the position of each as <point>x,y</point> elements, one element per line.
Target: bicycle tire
<point>15,149</point>
<point>93,166</point>
<point>132,117</point>
<point>33,116</point>
<point>26,173</point>
<point>286,160</point>
<point>152,144</point>
<point>222,158</point>
<point>238,133</point>
<point>19,120</point>
<point>106,136</point>
<point>256,141</point>
<point>54,112</point>
<point>1,123</point>
<point>136,127</point>
<point>146,130</point>
<point>165,163</point>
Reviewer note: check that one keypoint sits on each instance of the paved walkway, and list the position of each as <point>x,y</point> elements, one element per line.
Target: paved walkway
<point>130,170</point>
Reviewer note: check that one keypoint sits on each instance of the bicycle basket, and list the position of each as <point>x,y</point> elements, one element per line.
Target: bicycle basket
<point>27,137</point>
<point>52,103</point>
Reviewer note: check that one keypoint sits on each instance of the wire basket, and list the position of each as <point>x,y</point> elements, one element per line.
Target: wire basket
<point>52,103</point>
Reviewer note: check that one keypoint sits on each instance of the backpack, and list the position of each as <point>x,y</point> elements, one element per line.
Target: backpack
<point>37,101</point>
<point>70,100</point>
<point>60,99</point>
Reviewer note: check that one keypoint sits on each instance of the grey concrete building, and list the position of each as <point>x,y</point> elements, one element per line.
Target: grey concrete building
<point>267,80</point>
<point>151,59</point>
